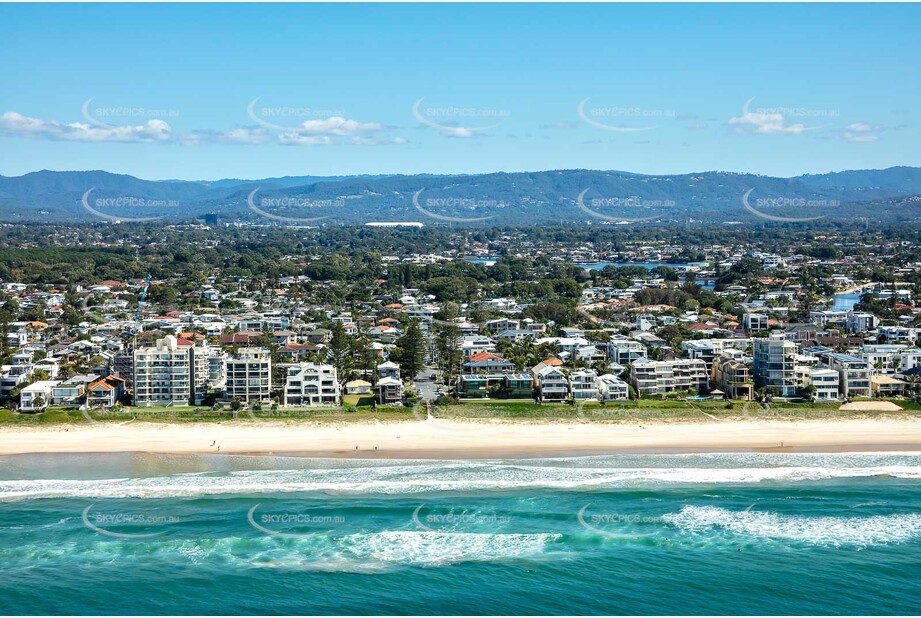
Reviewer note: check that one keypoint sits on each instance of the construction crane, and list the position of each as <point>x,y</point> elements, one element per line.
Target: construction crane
<point>137,317</point>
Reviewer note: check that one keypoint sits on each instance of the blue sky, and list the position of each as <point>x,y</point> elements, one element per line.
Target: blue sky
<point>644,88</point>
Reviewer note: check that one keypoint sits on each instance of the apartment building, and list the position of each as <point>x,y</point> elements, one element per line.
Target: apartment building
<point>165,375</point>
<point>755,322</point>
<point>625,351</point>
<point>680,374</point>
<point>249,375</point>
<point>897,334</point>
<point>733,377</point>
<point>859,322</point>
<point>310,384</point>
<point>774,366</point>
<point>890,359</point>
<point>854,374</point>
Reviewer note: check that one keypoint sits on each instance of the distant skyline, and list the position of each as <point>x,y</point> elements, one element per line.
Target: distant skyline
<point>203,92</point>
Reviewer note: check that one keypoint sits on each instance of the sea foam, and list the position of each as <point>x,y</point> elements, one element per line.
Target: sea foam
<point>815,530</point>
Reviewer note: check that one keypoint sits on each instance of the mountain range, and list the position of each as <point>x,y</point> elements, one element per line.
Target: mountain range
<point>521,198</point>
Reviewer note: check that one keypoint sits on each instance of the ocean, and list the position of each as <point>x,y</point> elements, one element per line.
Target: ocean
<point>619,534</point>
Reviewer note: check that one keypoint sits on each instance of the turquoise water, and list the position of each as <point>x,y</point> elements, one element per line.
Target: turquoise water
<point>630,534</point>
<point>845,302</point>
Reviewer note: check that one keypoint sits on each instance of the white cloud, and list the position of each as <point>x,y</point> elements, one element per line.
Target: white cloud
<point>15,124</point>
<point>766,124</point>
<point>299,139</point>
<point>334,129</point>
<point>239,135</point>
<point>337,125</point>
<point>860,132</point>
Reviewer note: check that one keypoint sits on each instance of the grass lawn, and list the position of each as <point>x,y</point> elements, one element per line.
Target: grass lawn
<point>661,410</point>
<point>648,410</point>
<point>191,414</point>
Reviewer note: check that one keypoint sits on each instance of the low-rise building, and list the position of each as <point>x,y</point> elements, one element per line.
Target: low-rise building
<point>854,374</point>
<point>552,383</point>
<point>826,383</point>
<point>680,374</point>
<point>755,322</point>
<point>37,396</point>
<point>583,384</point>
<point>358,387</point>
<point>625,351</point>
<point>309,384</point>
<point>886,386</point>
<point>612,388</point>
<point>105,392</point>
<point>390,391</point>
<point>733,377</point>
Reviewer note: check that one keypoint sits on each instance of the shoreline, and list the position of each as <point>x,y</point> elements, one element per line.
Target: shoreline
<point>446,439</point>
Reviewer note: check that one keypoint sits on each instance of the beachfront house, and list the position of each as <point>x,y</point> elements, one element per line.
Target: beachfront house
<point>390,391</point>
<point>105,392</point>
<point>553,385</point>
<point>36,396</point>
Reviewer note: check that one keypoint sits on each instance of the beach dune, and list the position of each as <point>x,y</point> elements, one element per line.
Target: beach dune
<point>460,439</point>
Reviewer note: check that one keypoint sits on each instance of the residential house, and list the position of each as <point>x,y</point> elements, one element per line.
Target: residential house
<point>105,392</point>
<point>37,396</point>
<point>390,391</point>
<point>583,384</point>
<point>552,382</point>
<point>826,383</point>
<point>612,388</point>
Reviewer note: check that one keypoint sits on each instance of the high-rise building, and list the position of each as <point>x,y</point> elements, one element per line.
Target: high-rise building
<point>171,372</point>
<point>249,375</point>
<point>775,366</point>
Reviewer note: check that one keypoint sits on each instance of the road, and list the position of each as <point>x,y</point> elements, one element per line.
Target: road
<point>428,388</point>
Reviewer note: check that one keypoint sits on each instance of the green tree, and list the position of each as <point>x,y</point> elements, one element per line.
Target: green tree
<point>410,352</point>
<point>340,352</point>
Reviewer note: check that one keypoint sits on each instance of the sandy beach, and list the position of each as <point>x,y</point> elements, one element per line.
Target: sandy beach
<point>464,439</point>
